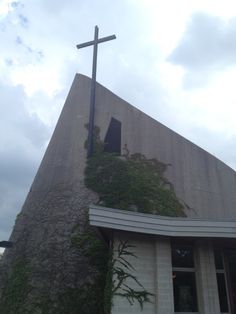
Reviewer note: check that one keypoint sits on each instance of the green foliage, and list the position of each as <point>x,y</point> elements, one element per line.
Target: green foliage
<point>91,247</point>
<point>84,300</point>
<point>90,297</point>
<point>110,272</point>
<point>132,183</point>
<point>108,285</point>
<point>16,290</point>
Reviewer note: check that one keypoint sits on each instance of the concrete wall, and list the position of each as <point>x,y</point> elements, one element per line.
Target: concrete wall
<point>203,182</point>
<point>145,270</point>
<point>208,298</point>
<point>56,203</point>
<point>164,281</point>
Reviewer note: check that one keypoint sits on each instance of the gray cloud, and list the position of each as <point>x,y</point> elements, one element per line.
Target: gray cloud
<point>23,20</point>
<point>22,142</point>
<point>208,42</point>
<point>8,62</point>
<point>30,53</point>
<point>16,42</point>
<point>15,4</point>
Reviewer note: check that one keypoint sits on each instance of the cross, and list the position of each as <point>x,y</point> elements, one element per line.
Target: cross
<point>93,43</point>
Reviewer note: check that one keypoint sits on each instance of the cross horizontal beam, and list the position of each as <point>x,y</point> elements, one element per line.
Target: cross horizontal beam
<point>92,42</point>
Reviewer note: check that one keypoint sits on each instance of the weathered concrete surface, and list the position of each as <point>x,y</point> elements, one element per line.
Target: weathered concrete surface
<point>208,298</point>
<point>58,200</point>
<point>163,280</point>
<point>144,269</point>
<point>203,182</point>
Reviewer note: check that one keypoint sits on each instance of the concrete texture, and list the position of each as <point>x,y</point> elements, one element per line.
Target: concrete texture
<point>144,270</point>
<point>56,203</point>
<point>208,298</point>
<point>203,182</point>
<point>164,282</point>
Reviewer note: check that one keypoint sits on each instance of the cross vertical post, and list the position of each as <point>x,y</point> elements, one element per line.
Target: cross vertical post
<point>95,43</point>
<point>92,95</point>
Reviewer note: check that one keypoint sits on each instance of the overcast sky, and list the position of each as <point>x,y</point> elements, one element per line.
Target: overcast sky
<point>174,59</point>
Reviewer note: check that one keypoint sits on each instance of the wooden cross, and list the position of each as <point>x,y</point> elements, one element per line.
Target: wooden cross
<point>93,43</point>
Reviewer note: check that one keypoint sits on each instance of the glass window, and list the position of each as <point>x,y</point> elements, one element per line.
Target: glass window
<point>221,283</point>
<point>184,282</point>
<point>182,256</point>
<point>222,293</point>
<point>218,259</point>
<point>185,296</point>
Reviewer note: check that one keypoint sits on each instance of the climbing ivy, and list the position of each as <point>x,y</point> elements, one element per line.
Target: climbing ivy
<point>90,297</point>
<point>16,290</point>
<point>131,182</point>
<point>110,273</point>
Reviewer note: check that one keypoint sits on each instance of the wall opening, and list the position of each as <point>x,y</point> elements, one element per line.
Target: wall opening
<point>113,137</point>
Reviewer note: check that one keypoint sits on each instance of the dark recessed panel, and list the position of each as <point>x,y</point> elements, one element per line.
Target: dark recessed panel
<point>113,137</point>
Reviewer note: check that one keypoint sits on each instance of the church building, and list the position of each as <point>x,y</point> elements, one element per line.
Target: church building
<point>177,220</point>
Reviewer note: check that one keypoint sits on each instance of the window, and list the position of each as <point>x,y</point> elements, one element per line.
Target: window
<point>184,282</point>
<point>220,275</point>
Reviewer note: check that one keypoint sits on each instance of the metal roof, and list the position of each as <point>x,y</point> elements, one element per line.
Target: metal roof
<point>124,220</point>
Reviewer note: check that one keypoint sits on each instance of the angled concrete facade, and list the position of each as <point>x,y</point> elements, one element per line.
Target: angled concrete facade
<point>58,202</point>
<point>55,206</point>
<point>202,181</point>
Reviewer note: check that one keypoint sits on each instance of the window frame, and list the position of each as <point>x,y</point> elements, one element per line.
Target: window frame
<point>224,272</point>
<point>185,270</point>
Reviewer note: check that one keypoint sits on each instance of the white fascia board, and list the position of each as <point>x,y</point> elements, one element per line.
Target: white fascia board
<point>116,219</point>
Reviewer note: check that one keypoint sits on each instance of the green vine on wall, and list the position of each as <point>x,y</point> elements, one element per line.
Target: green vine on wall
<point>112,274</point>
<point>128,182</point>
<point>90,297</point>
<point>131,182</point>
<point>17,289</point>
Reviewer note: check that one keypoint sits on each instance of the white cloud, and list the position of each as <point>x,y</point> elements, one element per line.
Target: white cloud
<point>7,6</point>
